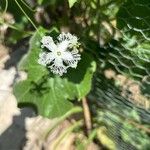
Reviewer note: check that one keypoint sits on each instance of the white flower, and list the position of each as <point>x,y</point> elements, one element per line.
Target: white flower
<point>61,55</point>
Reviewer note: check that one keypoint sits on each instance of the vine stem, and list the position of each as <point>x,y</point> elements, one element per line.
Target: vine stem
<point>6,6</point>
<point>26,15</point>
<point>66,132</point>
<point>87,116</point>
<point>28,6</point>
<point>61,119</point>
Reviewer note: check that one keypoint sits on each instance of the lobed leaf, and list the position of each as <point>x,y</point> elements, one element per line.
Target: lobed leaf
<point>52,94</point>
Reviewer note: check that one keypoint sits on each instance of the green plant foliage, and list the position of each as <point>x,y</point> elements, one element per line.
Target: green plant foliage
<point>139,139</point>
<point>129,54</point>
<point>115,42</point>
<point>124,134</point>
<point>133,21</point>
<point>71,2</point>
<point>20,21</point>
<point>51,94</point>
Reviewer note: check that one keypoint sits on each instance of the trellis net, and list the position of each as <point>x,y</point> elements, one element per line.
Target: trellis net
<point>121,89</point>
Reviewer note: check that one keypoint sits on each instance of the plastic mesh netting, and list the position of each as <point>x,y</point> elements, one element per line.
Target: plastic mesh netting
<point>121,90</point>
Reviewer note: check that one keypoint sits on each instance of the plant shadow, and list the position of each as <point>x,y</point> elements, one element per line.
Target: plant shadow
<point>77,75</point>
<point>13,138</point>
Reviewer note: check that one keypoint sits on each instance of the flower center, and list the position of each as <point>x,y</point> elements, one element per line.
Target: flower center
<point>58,53</point>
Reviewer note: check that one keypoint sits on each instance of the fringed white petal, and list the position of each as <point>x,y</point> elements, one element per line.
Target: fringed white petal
<point>63,45</point>
<point>58,67</point>
<point>45,58</point>
<point>42,59</point>
<point>67,56</point>
<point>73,40</point>
<point>76,57</point>
<point>48,42</point>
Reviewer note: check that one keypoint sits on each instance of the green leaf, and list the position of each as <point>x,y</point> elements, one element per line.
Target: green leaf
<point>29,62</point>
<point>52,94</point>
<point>71,2</point>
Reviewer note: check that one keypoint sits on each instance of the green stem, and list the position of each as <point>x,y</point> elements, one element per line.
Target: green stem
<point>26,15</point>
<point>15,28</point>
<point>61,119</point>
<point>66,132</point>
<point>92,136</point>
<point>28,6</point>
<point>6,6</point>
